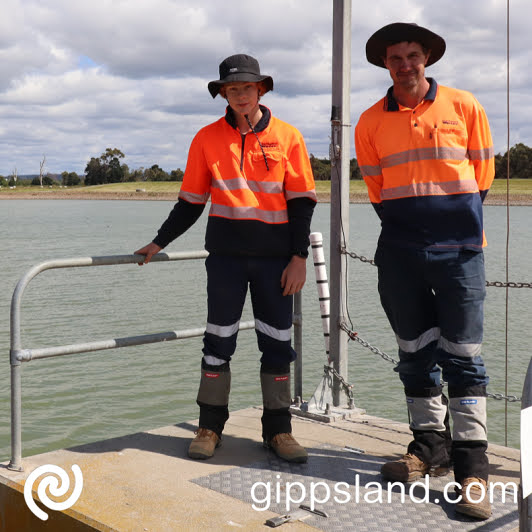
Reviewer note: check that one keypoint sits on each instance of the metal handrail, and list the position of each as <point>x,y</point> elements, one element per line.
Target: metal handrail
<point>19,355</point>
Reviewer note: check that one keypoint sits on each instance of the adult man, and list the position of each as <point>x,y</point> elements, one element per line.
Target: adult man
<point>256,170</point>
<point>426,155</point>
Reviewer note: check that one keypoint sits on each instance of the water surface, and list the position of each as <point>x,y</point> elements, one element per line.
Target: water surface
<point>82,398</point>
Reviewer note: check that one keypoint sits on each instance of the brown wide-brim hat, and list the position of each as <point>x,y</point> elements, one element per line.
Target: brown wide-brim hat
<point>400,32</point>
<point>239,67</point>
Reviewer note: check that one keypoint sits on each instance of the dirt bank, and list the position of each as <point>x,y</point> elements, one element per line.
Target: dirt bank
<point>492,199</point>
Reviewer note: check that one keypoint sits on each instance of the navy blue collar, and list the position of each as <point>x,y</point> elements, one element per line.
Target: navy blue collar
<point>392,105</point>
<point>261,125</point>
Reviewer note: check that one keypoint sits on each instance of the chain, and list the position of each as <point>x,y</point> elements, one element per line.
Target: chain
<point>498,284</point>
<point>354,336</point>
<point>500,397</point>
<point>353,255</point>
<point>348,388</point>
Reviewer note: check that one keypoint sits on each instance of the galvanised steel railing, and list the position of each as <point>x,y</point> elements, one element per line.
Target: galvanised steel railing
<point>19,355</point>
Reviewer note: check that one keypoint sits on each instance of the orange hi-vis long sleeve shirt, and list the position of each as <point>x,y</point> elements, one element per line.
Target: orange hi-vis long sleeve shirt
<point>262,195</point>
<point>427,169</point>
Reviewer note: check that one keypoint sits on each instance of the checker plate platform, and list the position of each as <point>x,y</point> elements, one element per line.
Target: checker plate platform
<point>363,501</point>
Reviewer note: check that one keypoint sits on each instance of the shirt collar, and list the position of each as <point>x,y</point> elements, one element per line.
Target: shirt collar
<point>261,125</point>
<point>392,105</point>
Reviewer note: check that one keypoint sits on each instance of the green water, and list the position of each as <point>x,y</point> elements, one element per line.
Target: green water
<point>88,397</point>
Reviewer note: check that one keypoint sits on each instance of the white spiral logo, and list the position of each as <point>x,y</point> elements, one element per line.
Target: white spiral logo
<point>51,483</point>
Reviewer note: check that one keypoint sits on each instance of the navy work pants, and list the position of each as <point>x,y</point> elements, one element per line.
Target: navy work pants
<point>434,302</point>
<point>228,279</point>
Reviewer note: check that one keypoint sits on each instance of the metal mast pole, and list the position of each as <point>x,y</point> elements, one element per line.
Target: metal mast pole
<point>339,155</point>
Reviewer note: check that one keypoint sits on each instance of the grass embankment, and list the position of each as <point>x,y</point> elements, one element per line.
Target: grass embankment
<point>520,192</point>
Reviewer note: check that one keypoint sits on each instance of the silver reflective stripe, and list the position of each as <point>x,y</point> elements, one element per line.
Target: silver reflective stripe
<point>481,155</point>
<point>423,154</point>
<point>290,194</point>
<point>248,213</point>
<point>469,418</point>
<point>461,350</point>
<point>426,413</point>
<point>224,331</point>
<point>370,170</point>
<point>283,335</point>
<point>411,346</point>
<point>194,198</point>
<point>266,187</point>
<point>229,184</point>
<point>430,189</point>
<point>239,183</point>
<point>213,361</point>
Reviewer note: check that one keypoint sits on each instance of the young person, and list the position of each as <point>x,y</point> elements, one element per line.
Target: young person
<point>256,171</point>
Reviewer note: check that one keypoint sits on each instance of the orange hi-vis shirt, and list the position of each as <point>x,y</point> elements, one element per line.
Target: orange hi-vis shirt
<point>427,169</point>
<point>250,188</point>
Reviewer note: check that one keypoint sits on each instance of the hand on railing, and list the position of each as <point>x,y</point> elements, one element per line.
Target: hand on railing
<point>148,251</point>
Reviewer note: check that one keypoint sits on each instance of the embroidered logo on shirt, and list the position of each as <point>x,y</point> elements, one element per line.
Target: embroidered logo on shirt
<point>212,375</point>
<point>284,378</point>
<point>450,122</point>
<point>270,146</point>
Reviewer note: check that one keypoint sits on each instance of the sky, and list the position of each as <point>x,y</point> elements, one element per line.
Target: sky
<point>78,77</point>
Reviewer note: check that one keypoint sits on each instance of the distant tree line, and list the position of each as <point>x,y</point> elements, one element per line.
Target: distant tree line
<point>108,169</point>
<point>520,165</point>
<point>321,168</point>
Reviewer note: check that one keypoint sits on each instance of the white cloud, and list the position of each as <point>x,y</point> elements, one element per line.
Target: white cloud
<point>78,77</point>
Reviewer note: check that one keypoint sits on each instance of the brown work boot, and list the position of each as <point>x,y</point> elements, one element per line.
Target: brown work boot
<point>406,469</point>
<point>203,445</point>
<point>477,504</point>
<point>286,447</point>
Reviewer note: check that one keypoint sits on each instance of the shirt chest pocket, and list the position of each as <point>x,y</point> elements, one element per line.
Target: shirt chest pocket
<point>270,162</point>
<point>449,137</point>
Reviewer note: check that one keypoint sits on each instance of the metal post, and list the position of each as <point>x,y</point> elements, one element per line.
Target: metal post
<point>16,420</point>
<point>525,504</point>
<point>339,155</point>
<point>15,463</point>
<point>298,346</point>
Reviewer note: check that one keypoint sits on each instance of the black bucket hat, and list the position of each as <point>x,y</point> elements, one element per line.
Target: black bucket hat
<point>239,67</point>
<point>399,32</point>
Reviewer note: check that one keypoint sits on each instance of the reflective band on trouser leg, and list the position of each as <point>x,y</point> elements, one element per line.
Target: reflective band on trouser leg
<point>276,398</point>
<point>469,418</point>
<point>219,342</point>
<point>274,343</point>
